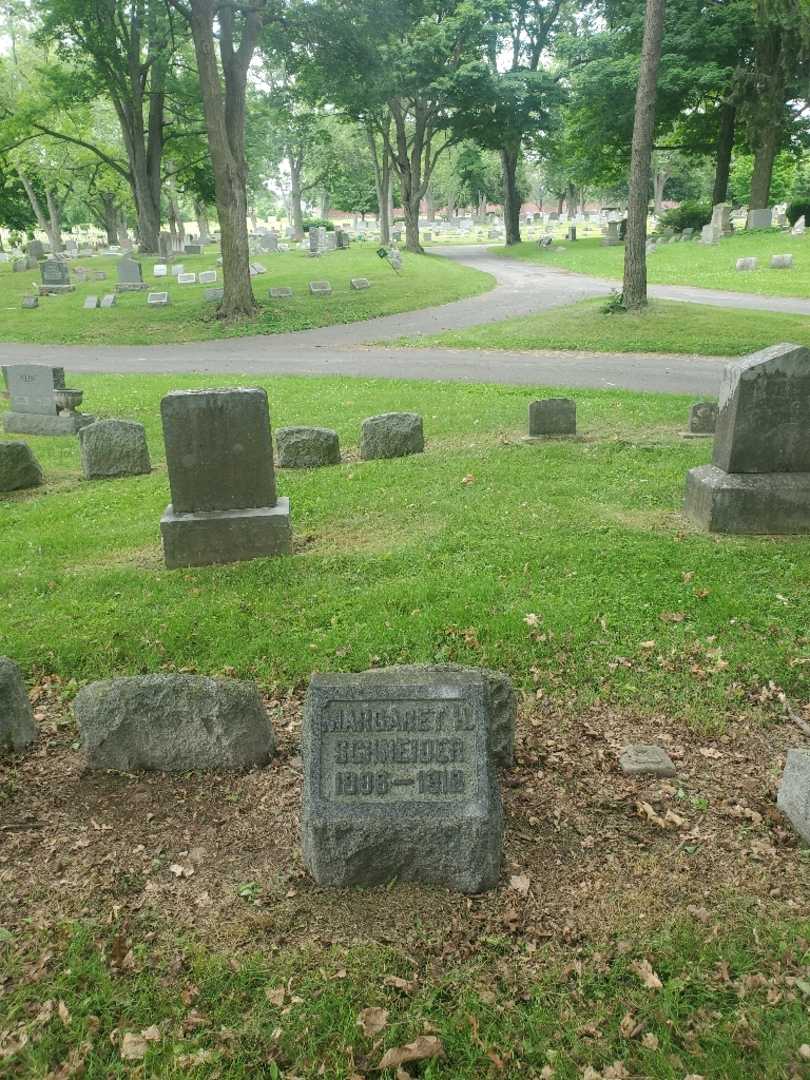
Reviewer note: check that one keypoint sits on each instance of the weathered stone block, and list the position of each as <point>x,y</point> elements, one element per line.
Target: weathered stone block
<point>764,414</point>
<point>552,417</point>
<point>15,423</point>
<point>391,435</point>
<point>17,727</point>
<point>399,783</point>
<point>18,467</point>
<point>307,447</point>
<point>702,418</point>
<point>224,536</point>
<point>114,448</point>
<point>781,262</point>
<point>747,263</point>
<point>754,503</point>
<point>642,759</point>
<point>173,723</point>
<point>793,796</point>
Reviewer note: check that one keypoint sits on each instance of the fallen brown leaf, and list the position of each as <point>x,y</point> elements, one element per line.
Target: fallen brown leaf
<point>422,1047</point>
<point>372,1021</point>
<point>644,970</point>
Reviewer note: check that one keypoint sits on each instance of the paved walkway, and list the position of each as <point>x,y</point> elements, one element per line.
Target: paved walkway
<point>522,288</point>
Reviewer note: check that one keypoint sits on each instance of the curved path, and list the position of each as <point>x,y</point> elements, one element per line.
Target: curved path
<point>522,288</point>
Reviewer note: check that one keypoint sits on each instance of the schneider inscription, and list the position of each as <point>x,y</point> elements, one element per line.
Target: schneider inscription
<point>398,780</point>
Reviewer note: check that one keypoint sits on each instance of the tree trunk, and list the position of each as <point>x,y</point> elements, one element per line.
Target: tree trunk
<point>411,208</point>
<point>224,110</point>
<point>635,257</point>
<point>203,226</point>
<point>725,144</point>
<point>511,199</point>
<point>54,221</point>
<point>36,206</point>
<point>660,178</point>
<point>295,199</point>
<point>560,204</point>
<point>110,218</point>
<point>764,157</point>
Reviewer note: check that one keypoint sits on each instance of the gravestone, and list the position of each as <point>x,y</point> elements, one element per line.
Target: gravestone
<point>747,263</point>
<point>21,266</point>
<point>320,288</point>
<point>759,479</point>
<point>391,435</point>
<point>640,759</point>
<point>212,296</point>
<point>114,448</point>
<point>721,219</point>
<point>360,283</point>
<point>36,249</point>
<point>18,467</point>
<point>612,238</point>
<point>99,275</point>
<point>702,420</point>
<point>90,302</point>
<point>173,723</point>
<point>799,227</point>
<point>793,795</point>
<point>108,300</point>
<point>193,249</point>
<point>34,406</point>
<point>552,418</point>
<point>165,245</point>
<point>175,269</point>
<point>219,456</point>
<point>207,277</point>
<point>17,727</point>
<point>81,274</point>
<point>157,299</point>
<point>160,270</point>
<point>781,262</point>
<point>280,292</point>
<point>399,781</point>
<point>709,234</point>
<point>760,219</point>
<point>55,277</point>
<point>29,302</point>
<point>186,279</point>
<point>130,276</point>
<point>307,447</point>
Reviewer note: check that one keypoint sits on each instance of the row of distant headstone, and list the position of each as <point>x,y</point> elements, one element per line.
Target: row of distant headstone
<point>400,765</point>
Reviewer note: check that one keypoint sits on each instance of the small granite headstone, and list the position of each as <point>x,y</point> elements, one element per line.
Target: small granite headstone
<point>781,262</point>
<point>29,302</point>
<point>213,296</point>
<point>702,420</point>
<point>760,219</point>
<point>36,249</point>
<point>157,299</point>
<point>114,448</point>
<point>130,275</point>
<point>640,759</point>
<point>748,263</point>
<point>90,302</point>
<point>320,288</point>
<point>160,269</point>
<point>55,276</point>
<point>280,292</point>
<point>307,447</point>
<point>207,277</point>
<point>799,227</point>
<point>108,300</point>
<point>99,275</point>
<point>173,723</point>
<point>793,796</point>
<point>193,249</point>
<point>175,269</point>
<point>552,417</point>
<point>17,727</point>
<point>186,279</point>
<point>391,435</point>
<point>399,781</point>
<point>18,467</point>
<point>360,283</point>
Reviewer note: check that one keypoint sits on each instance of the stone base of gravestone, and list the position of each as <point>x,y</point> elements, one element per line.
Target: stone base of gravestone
<point>399,781</point>
<point>131,286</point>
<point>793,796</point>
<point>114,448</point>
<point>391,435</point>
<point>206,537</point>
<point>173,723</point>
<point>307,447</point>
<point>755,503</point>
<point>18,467</point>
<point>17,727</point>
<point>18,423</point>
<point>55,290</point>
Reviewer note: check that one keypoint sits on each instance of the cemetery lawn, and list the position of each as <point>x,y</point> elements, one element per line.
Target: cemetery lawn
<point>641,927</point>
<point>665,326</point>
<point>423,282</point>
<point>689,263</point>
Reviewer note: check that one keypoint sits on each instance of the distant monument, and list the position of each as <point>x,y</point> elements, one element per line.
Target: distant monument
<point>41,404</point>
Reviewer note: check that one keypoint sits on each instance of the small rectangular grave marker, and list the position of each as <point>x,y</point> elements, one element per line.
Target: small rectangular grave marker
<point>175,269</point>
<point>213,295</point>
<point>99,275</point>
<point>320,288</point>
<point>90,302</point>
<point>207,277</point>
<point>186,279</point>
<point>157,299</point>
<point>160,270</point>
<point>108,300</point>
<point>280,292</point>
<point>360,283</point>
<point>30,301</point>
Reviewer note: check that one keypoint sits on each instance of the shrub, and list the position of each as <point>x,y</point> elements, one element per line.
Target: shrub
<point>796,209</point>
<point>318,223</point>
<point>689,215</point>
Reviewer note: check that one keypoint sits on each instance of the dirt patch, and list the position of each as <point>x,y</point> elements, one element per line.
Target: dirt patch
<point>588,852</point>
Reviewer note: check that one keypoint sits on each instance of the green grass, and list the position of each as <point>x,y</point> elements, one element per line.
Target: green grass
<point>423,282</point>
<point>404,561</point>
<point>729,1008</point>
<point>666,326</point>
<point>690,263</point>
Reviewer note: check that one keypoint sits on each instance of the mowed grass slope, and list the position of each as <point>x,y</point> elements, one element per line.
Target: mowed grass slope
<point>568,564</point>
<point>423,282</point>
<point>690,263</point>
<point>664,326</point>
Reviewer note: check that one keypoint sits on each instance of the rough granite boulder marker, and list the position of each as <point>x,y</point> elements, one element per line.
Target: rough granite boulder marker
<point>219,455</point>
<point>641,759</point>
<point>552,418</point>
<point>17,727</point>
<point>399,781</point>
<point>759,479</point>
<point>793,796</point>
<point>173,723</point>
<point>391,435</point>
<point>114,448</point>
<point>307,447</point>
<point>18,467</point>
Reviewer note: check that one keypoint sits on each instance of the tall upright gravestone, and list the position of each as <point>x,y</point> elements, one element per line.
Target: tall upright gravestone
<point>219,456</point>
<point>35,408</point>
<point>759,479</point>
<point>399,780</point>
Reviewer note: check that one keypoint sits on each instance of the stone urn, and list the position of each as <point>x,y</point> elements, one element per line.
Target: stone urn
<point>68,400</point>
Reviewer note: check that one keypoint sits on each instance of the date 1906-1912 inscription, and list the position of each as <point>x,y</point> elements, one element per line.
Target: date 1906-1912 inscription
<point>403,751</point>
